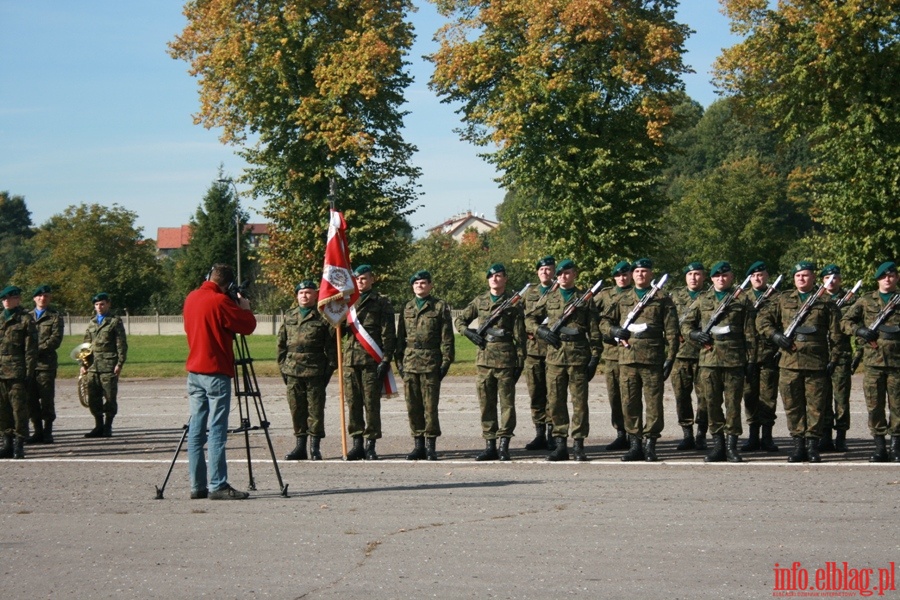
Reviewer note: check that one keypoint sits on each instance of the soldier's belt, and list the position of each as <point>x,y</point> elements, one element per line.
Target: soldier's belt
<point>303,349</point>
<point>648,334</point>
<point>724,337</point>
<point>888,335</point>
<point>494,334</point>
<point>568,337</point>
<point>424,346</point>
<point>802,337</point>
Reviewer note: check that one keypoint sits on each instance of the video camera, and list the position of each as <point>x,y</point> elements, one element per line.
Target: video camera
<point>235,291</point>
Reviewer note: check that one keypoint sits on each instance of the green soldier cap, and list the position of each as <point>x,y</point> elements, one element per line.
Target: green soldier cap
<point>496,268</point>
<point>100,296</point>
<point>803,265</point>
<point>563,265</point>
<point>830,270</point>
<point>694,266</point>
<point>547,261</point>
<point>423,274</point>
<point>757,267</point>
<point>885,267</point>
<point>642,263</point>
<point>362,269</point>
<point>623,266</point>
<point>306,284</point>
<point>10,290</point>
<point>41,290</point>
<point>720,268</point>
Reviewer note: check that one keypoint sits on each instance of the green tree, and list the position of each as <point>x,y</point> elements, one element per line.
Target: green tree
<point>91,248</point>
<point>318,86</point>
<point>15,229</point>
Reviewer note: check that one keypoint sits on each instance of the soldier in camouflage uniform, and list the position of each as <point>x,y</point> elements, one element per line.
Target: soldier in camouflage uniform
<point>425,350</point>
<point>307,358</point>
<point>646,358</point>
<point>500,361</point>
<point>109,347</point>
<point>621,274</point>
<point>535,359</point>
<point>18,358</point>
<point>686,371</point>
<point>726,351</point>
<point>837,413</point>
<point>573,355</point>
<point>881,359</point>
<point>761,384</point>
<point>42,389</point>
<point>363,373</point>
<point>807,360</point>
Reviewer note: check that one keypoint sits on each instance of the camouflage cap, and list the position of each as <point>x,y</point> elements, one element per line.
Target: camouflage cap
<point>100,296</point>
<point>642,263</point>
<point>757,267</point>
<point>565,264</point>
<point>884,268</point>
<point>496,268</point>
<point>831,269</point>
<point>803,265</point>
<point>547,261</point>
<point>720,268</point>
<point>41,290</point>
<point>694,266</point>
<point>306,284</point>
<point>10,290</point>
<point>422,274</point>
<point>623,266</point>
<point>362,269</point>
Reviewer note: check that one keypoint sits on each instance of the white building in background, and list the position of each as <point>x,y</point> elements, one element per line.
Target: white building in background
<point>458,225</point>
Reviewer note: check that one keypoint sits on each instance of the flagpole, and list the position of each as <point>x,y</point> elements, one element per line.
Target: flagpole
<point>340,370</point>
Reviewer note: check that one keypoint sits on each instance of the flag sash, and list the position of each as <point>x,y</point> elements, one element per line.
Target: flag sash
<point>388,384</point>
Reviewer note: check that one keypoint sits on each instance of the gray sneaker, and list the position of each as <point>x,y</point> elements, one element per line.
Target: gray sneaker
<point>228,493</point>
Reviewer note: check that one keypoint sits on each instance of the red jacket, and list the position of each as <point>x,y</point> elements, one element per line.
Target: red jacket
<point>211,320</point>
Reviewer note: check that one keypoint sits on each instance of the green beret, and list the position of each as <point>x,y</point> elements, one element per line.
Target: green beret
<point>40,290</point>
<point>564,264</point>
<point>757,267</point>
<point>642,263</point>
<point>306,284</point>
<point>830,270</point>
<point>547,261</point>
<point>100,296</point>
<point>720,268</point>
<point>885,267</point>
<point>496,268</point>
<point>694,266</point>
<point>623,266</point>
<point>803,265</point>
<point>423,274</point>
<point>10,290</point>
<point>362,269</point>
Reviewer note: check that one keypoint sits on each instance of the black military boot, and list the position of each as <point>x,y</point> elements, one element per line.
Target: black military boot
<point>688,442</point>
<point>489,452</point>
<point>97,431</point>
<point>578,450</point>
<point>551,441</point>
<point>895,448</point>
<point>431,448</point>
<point>799,453</point>
<point>840,440</point>
<point>766,442</point>
<point>48,432</point>
<point>635,452</point>
<point>504,449</point>
<point>370,450</point>
<point>753,442</point>
<point>299,451</point>
<point>717,453</point>
<point>314,452</point>
<point>38,436</point>
<point>650,450</point>
<point>6,451</point>
<point>18,447</point>
<point>731,450</point>
<point>826,444</point>
<point>107,427</point>
<point>881,454</point>
<point>540,438</point>
<point>620,443</point>
<point>812,450</point>
<point>357,452</point>
<point>560,450</point>
<point>700,440</point>
<point>418,452</point>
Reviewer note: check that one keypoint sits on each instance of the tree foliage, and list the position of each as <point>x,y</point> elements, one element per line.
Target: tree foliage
<point>15,229</point>
<point>317,87</point>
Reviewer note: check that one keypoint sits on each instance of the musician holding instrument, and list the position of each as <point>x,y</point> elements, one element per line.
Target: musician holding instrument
<point>875,321</point>
<point>109,349</point>
<point>500,338</point>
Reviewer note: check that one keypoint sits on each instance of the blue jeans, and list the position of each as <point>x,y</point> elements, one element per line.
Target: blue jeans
<point>210,399</point>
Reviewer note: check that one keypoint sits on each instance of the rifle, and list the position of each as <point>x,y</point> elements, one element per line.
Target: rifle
<point>769,291</point>
<point>720,309</point>
<point>883,314</point>
<point>850,294</point>
<point>495,314</point>
<point>802,312</point>
<point>634,312</point>
<point>573,306</point>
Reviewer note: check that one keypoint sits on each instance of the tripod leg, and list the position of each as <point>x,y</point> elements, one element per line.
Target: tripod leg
<point>160,490</point>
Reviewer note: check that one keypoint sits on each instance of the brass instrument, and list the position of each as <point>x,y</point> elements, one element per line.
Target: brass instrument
<point>84,355</point>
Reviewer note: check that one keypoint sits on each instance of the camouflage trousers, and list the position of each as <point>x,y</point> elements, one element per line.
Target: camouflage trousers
<point>636,381</point>
<point>423,394</point>
<point>13,407</point>
<point>536,378</point>
<point>496,385</point>
<point>363,389</point>
<point>102,393</point>
<point>803,394</point>
<point>42,396</point>
<point>723,386</point>
<point>686,379</point>
<point>571,380</point>
<point>837,399</point>
<point>882,386</point>
<point>306,399</point>
<point>611,373</point>
<point>761,394</point>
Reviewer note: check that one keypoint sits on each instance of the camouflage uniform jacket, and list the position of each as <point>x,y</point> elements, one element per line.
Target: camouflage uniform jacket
<point>306,345</point>
<point>18,345</point>
<point>108,344</point>
<point>376,315</point>
<point>845,349</point>
<point>580,335</point>
<point>50,328</point>
<point>886,353</point>
<point>815,340</point>
<point>602,301</point>
<point>659,339</point>
<point>505,338</point>
<point>425,341</point>
<point>689,349</point>
<point>734,333</point>
<point>535,346</point>
<point>765,348</point>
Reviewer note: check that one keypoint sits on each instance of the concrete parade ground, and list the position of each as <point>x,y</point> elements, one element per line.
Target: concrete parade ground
<point>80,518</point>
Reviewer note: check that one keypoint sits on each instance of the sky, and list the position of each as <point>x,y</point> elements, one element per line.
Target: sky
<point>93,110</point>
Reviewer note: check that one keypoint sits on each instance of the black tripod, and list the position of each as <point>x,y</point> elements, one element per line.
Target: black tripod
<point>245,387</point>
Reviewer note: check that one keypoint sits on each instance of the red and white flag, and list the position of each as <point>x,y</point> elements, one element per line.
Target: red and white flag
<point>338,291</point>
